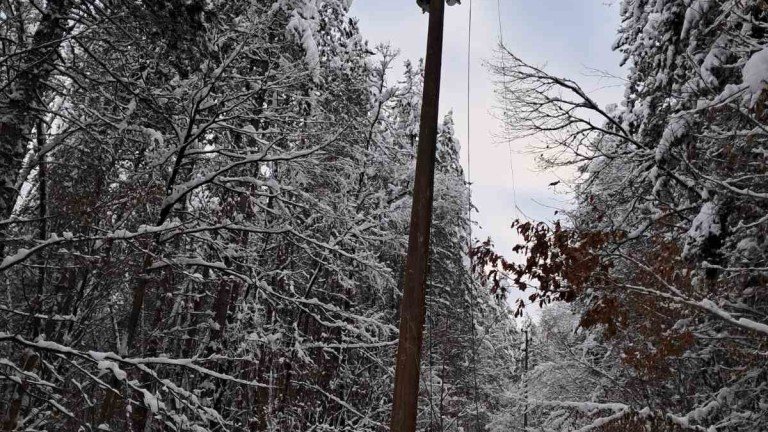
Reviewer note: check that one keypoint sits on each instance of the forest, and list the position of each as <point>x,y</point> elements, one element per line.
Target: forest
<point>205,210</point>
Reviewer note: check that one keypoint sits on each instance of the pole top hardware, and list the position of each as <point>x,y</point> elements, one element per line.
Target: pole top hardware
<point>424,4</point>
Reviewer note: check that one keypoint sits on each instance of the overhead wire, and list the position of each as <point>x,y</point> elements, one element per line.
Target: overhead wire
<point>514,194</point>
<point>518,210</point>
<point>469,210</point>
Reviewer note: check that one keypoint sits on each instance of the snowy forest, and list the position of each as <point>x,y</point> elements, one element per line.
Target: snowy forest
<point>205,209</point>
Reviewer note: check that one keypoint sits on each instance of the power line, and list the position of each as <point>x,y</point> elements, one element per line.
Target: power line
<point>518,211</point>
<point>498,13</point>
<point>469,115</point>
<point>469,209</point>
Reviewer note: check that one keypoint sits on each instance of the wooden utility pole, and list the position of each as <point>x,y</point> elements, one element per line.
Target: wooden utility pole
<point>525,382</point>
<point>406,393</point>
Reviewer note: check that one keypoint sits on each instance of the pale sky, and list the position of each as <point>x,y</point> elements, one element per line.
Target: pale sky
<point>568,36</point>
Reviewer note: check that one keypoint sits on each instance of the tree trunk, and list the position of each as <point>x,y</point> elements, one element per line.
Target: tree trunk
<point>18,105</point>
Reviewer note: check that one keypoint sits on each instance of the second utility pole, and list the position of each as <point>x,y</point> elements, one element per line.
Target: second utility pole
<point>525,382</point>
<point>406,392</point>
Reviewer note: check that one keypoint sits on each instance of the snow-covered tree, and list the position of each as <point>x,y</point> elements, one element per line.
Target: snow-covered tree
<point>665,251</point>
<point>204,217</point>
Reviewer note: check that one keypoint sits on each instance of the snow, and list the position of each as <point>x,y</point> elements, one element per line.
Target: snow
<point>710,306</point>
<point>706,223</point>
<point>747,245</point>
<point>693,14</point>
<point>716,56</point>
<point>424,4</point>
<point>755,74</point>
<point>302,26</point>
<point>150,400</point>
<point>61,408</point>
<point>12,259</point>
<point>105,365</point>
<point>130,108</point>
<point>250,130</point>
<point>675,129</point>
<point>53,346</point>
<point>98,356</point>
<point>154,136</point>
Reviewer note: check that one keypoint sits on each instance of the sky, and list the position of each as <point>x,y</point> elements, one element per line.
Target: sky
<point>568,37</point>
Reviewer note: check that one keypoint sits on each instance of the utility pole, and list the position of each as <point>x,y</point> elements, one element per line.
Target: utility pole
<point>406,392</point>
<point>525,382</point>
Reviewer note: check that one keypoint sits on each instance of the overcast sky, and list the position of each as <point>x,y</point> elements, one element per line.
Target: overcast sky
<point>568,36</point>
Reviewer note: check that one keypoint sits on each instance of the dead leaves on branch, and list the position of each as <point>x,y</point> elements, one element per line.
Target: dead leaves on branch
<point>558,263</point>
<point>595,268</point>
